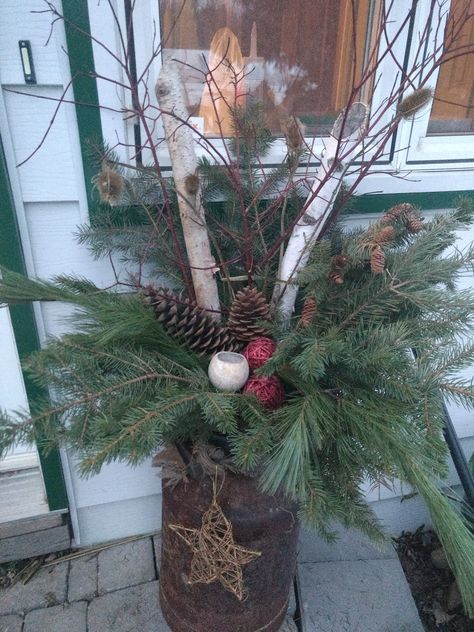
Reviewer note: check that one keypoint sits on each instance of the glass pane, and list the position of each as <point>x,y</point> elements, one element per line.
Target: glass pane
<point>294,56</point>
<point>453,106</point>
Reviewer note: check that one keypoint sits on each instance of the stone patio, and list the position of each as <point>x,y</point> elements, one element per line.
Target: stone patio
<point>346,587</point>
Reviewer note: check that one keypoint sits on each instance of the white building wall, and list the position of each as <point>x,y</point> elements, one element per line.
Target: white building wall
<point>50,199</point>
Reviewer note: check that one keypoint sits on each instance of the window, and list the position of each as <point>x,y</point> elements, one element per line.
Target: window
<point>296,57</point>
<point>453,107</point>
<point>444,134</point>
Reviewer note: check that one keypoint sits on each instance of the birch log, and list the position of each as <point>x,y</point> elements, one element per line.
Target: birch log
<point>345,140</point>
<point>179,137</point>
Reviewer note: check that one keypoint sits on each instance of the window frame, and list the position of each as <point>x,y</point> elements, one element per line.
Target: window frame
<point>431,149</point>
<point>416,162</point>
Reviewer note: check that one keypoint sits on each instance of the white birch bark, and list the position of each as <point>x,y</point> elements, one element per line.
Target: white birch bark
<point>345,142</point>
<point>179,137</point>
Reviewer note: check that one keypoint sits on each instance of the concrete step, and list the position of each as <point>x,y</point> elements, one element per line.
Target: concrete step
<point>353,586</point>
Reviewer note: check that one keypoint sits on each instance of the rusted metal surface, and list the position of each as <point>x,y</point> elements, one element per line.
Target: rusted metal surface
<point>263,523</point>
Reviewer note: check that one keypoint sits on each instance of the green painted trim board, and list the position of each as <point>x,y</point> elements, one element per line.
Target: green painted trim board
<point>81,60</point>
<point>426,200</point>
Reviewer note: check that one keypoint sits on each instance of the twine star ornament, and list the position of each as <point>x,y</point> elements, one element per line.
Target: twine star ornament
<point>216,556</point>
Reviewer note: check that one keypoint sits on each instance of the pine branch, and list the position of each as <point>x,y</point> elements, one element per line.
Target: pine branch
<point>459,391</point>
<point>454,534</point>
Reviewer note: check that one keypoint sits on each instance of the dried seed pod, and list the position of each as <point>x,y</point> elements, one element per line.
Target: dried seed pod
<point>384,235</point>
<point>414,102</point>
<point>307,313</point>
<point>191,182</point>
<point>293,133</point>
<point>110,185</point>
<point>377,260</point>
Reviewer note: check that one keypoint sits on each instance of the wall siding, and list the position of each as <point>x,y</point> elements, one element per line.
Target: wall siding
<point>49,175</point>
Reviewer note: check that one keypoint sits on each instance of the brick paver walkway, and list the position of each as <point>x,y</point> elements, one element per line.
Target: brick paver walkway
<point>349,586</point>
<point>115,590</point>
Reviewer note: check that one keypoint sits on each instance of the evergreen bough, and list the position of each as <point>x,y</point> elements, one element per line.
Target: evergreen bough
<point>365,375</point>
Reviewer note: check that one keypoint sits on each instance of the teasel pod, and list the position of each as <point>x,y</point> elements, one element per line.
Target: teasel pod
<point>191,183</point>
<point>414,102</point>
<point>291,127</point>
<point>110,184</point>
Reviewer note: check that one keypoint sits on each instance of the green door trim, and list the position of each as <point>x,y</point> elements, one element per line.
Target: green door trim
<point>25,331</point>
<point>84,84</point>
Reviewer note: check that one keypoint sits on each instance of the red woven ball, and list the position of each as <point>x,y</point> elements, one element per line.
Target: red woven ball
<point>259,351</point>
<point>269,390</point>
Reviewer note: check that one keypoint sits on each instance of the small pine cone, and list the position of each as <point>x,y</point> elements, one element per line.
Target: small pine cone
<point>336,277</point>
<point>308,311</point>
<point>414,223</point>
<point>339,262</point>
<point>384,235</point>
<point>182,319</point>
<point>400,210</point>
<point>377,260</point>
<point>246,313</point>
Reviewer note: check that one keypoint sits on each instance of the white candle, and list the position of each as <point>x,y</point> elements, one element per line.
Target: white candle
<point>228,371</point>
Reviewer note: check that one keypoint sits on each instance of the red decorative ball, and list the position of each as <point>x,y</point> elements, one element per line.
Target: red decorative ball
<point>259,351</point>
<point>269,390</point>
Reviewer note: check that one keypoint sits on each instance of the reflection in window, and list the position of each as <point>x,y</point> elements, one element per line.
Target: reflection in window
<point>295,56</point>
<point>453,106</point>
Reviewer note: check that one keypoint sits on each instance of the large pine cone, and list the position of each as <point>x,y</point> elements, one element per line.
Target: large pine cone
<point>246,314</point>
<point>182,319</point>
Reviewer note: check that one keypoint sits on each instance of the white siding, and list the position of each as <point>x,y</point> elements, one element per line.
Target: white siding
<point>19,23</point>
<point>50,174</point>
<point>12,389</point>
<point>14,502</point>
